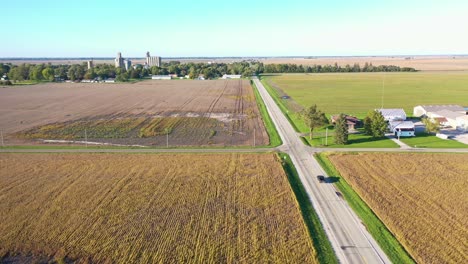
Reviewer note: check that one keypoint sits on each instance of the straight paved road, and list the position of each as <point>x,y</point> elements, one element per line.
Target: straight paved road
<point>349,238</point>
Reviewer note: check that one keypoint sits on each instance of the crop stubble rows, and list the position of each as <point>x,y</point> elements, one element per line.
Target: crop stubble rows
<point>220,112</point>
<point>150,208</point>
<point>421,198</point>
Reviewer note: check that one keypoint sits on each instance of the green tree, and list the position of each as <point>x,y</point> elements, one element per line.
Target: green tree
<point>247,73</point>
<point>76,72</point>
<point>48,74</point>
<point>123,77</point>
<point>4,69</point>
<point>375,124</point>
<point>193,73</point>
<point>15,74</point>
<point>61,72</point>
<point>209,73</point>
<point>341,130</point>
<point>36,73</point>
<point>431,125</point>
<point>313,118</point>
<point>368,125</point>
<point>90,74</point>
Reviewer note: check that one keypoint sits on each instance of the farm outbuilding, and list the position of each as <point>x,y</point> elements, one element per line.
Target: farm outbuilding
<point>161,77</point>
<point>393,114</point>
<point>462,123</point>
<point>402,128</point>
<point>352,121</point>
<point>450,116</point>
<point>442,121</point>
<point>231,76</point>
<point>423,110</point>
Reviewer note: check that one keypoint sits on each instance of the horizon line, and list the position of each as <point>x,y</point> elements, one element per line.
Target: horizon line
<point>239,57</point>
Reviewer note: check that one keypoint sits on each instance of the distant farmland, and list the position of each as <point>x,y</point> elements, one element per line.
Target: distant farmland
<point>357,93</point>
<point>193,113</point>
<point>421,198</point>
<point>143,208</point>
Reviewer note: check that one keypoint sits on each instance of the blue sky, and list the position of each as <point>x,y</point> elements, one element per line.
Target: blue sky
<point>87,28</point>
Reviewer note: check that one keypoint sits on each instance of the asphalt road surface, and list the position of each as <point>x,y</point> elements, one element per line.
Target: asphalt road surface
<point>349,238</point>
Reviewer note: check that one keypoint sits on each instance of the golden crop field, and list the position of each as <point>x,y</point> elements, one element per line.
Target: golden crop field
<point>421,198</point>
<point>150,208</point>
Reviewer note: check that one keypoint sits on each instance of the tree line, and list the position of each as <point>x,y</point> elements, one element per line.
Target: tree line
<point>49,72</point>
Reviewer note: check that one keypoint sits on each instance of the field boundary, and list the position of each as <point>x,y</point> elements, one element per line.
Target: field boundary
<point>395,251</point>
<point>320,241</point>
<point>274,138</point>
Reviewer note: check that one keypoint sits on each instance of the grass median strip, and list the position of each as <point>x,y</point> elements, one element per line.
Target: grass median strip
<point>275,139</point>
<point>322,245</point>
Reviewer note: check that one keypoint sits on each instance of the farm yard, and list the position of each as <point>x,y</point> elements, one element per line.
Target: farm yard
<point>357,93</point>
<point>206,208</point>
<point>190,113</point>
<point>419,197</point>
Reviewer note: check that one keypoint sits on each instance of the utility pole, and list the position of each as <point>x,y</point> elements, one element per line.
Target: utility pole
<point>383,90</point>
<point>167,138</point>
<point>254,136</point>
<point>1,133</point>
<point>326,137</point>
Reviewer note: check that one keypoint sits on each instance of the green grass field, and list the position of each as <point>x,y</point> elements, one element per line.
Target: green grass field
<point>319,138</point>
<point>430,141</point>
<point>354,141</point>
<point>357,93</point>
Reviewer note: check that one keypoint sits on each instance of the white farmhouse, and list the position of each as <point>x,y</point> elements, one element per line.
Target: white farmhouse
<point>402,128</point>
<point>391,114</point>
<point>231,76</point>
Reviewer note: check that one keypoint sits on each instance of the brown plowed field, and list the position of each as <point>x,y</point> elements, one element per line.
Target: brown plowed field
<point>219,112</point>
<point>421,198</point>
<point>145,208</point>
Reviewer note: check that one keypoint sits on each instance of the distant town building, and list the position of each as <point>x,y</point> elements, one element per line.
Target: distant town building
<point>4,77</point>
<point>161,77</point>
<point>231,76</point>
<point>127,64</point>
<point>90,64</point>
<point>153,61</point>
<point>119,61</point>
<point>110,80</point>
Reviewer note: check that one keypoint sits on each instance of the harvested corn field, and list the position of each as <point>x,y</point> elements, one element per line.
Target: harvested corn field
<point>189,113</point>
<point>150,208</point>
<point>421,198</point>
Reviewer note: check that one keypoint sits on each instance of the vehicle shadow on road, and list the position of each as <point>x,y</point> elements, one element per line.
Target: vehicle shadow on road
<point>332,179</point>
